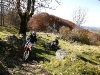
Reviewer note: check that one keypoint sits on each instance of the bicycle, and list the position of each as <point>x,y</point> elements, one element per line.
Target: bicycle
<point>27,51</point>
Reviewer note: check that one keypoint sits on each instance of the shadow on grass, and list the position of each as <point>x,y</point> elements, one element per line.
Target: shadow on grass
<point>9,59</point>
<point>40,56</point>
<point>3,71</point>
<point>40,51</point>
<point>97,56</point>
<point>87,60</point>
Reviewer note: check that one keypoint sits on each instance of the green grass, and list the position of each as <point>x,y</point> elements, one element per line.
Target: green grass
<point>82,60</point>
<point>8,30</point>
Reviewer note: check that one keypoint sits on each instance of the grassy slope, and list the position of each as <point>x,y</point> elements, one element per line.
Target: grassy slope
<point>8,30</point>
<point>81,60</point>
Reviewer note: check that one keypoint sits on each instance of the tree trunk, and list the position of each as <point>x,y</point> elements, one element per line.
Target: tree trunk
<point>25,16</point>
<point>23,24</point>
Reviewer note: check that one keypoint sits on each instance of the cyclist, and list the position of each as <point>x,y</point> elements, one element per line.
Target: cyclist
<point>31,39</point>
<point>55,43</point>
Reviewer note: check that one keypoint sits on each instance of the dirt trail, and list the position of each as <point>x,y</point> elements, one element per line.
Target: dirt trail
<point>28,68</point>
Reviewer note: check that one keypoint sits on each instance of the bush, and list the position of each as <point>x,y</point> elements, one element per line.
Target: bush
<point>77,34</point>
<point>64,32</point>
<point>98,43</point>
<point>80,35</point>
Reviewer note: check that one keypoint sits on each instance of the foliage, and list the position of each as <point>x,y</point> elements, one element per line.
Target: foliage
<point>65,32</point>
<point>47,22</point>
<point>98,43</point>
<point>80,35</point>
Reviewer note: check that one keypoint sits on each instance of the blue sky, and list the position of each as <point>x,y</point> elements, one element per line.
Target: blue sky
<point>67,7</point>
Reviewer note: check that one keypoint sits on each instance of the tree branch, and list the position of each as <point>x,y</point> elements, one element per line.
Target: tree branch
<point>19,8</point>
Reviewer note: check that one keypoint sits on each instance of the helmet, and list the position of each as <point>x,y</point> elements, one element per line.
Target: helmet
<point>33,32</point>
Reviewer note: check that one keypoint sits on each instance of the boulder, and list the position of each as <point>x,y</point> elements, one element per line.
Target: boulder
<point>61,54</point>
<point>12,39</point>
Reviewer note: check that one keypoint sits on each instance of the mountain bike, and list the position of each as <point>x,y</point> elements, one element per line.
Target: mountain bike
<point>27,51</point>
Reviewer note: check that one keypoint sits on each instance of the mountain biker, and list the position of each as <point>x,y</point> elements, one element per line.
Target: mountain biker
<point>31,39</point>
<point>55,43</point>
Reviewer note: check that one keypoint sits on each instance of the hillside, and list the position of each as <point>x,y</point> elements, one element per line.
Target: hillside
<point>47,22</point>
<point>82,59</point>
<point>93,29</point>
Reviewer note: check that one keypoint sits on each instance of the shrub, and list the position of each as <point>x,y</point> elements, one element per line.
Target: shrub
<point>92,38</point>
<point>77,34</point>
<point>64,32</point>
<point>98,43</point>
<point>80,36</point>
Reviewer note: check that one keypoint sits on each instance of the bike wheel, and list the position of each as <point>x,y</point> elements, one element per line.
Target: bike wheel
<point>26,55</point>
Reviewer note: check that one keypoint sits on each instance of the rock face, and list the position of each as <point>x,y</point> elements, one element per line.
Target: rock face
<point>11,39</point>
<point>9,42</point>
<point>61,54</point>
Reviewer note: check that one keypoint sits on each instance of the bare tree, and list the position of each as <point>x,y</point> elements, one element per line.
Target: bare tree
<point>80,16</point>
<point>12,18</point>
<point>1,12</point>
<point>26,9</point>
